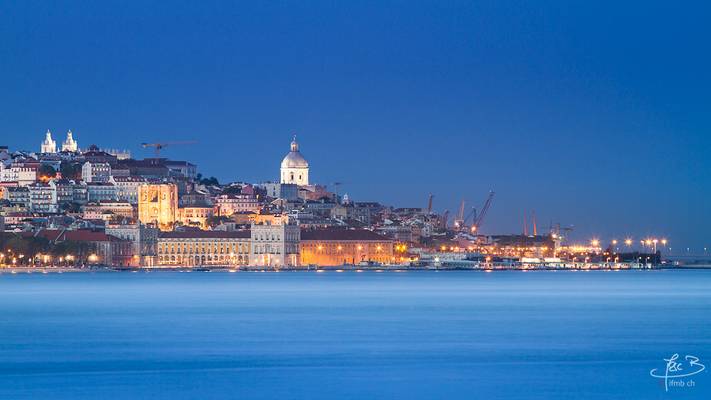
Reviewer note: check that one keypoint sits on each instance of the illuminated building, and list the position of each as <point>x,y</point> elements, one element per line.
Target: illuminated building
<point>127,187</point>
<point>195,215</point>
<point>43,198</point>
<point>48,145</point>
<point>294,167</point>
<point>228,204</point>
<point>70,144</point>
<point>144,241</point>
<point>95,172</point>
<point>108,210</point>
<point>197,248</point>
<point>69,191</point>
<point>337,246</point>
<point>19,195</point>
<point>275,244</point>
<point>158,204</point>
<point>287,191</point>
<point>24,172</point>
<point>99,248</point>
<point>96,192</point>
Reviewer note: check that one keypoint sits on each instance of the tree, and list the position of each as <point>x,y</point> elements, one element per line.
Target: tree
<point>46,172</point>
<point>70,170</point>
<point>211,181</point>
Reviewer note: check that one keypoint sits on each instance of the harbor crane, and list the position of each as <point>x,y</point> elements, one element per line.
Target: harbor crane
<point>479,219</point>
<point>159,146</point>
<point>460,223</point>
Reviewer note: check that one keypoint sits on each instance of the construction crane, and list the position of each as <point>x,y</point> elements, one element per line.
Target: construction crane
<point>484,209</point>
<point>459,221</point>
<point>471,214</point>
<point>159,146</point>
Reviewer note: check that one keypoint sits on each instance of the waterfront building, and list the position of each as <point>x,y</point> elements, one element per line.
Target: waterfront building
<point>97,247</point>
<point>294,167</point>
<point>43,198</point>
<point>195,215</point>
<point>158,205</point>
<point>69,143</point>
<point>96,192</point>
<point>275,245</point>
<point>144,241</point>
<point>95,172</point>
<point>399,232</point>
<point>199,248</point>
<point>338,246</point>
<point>228,204</point>
<point>48,145</point>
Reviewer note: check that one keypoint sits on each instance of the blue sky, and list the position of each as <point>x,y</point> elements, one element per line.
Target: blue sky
<point>593,114</point>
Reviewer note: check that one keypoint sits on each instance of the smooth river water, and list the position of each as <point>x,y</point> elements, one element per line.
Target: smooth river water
<point>392,335</point>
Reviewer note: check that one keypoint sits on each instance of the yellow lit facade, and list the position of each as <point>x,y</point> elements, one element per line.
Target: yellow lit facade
<point>200,248</point>
<point>329,247</point>
<point>195,216</point>
<point>158,205</point>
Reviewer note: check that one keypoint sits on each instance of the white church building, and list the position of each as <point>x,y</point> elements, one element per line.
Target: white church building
<point>294,167</point>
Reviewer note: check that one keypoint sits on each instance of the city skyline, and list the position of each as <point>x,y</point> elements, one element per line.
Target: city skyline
<point>555,117</point>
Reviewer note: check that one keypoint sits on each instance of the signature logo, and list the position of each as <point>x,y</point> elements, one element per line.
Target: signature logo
<point>677,370</point>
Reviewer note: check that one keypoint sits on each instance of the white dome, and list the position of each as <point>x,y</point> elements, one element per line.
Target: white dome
<point>294,159</point>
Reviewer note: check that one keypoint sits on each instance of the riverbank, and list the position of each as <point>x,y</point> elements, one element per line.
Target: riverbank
<point>341,268</point>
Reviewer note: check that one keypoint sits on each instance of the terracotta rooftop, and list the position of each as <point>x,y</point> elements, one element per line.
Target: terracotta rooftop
<point>341,234</point>
<point>197,234</point>
<point>54,235</point>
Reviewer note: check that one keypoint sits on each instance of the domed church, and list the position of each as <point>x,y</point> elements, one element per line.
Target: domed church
<point>294,167</point>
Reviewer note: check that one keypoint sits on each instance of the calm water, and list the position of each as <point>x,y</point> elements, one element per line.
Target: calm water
<point>411,335</point>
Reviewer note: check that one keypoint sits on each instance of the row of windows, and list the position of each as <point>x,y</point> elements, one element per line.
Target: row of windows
<point>222,248</point>
<point>346,246</point>
<point>199,260</point>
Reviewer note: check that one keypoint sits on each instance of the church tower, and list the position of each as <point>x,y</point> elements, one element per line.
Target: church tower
<point>294,167</point>
<point>70,144</point>
<point>49,145</point>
